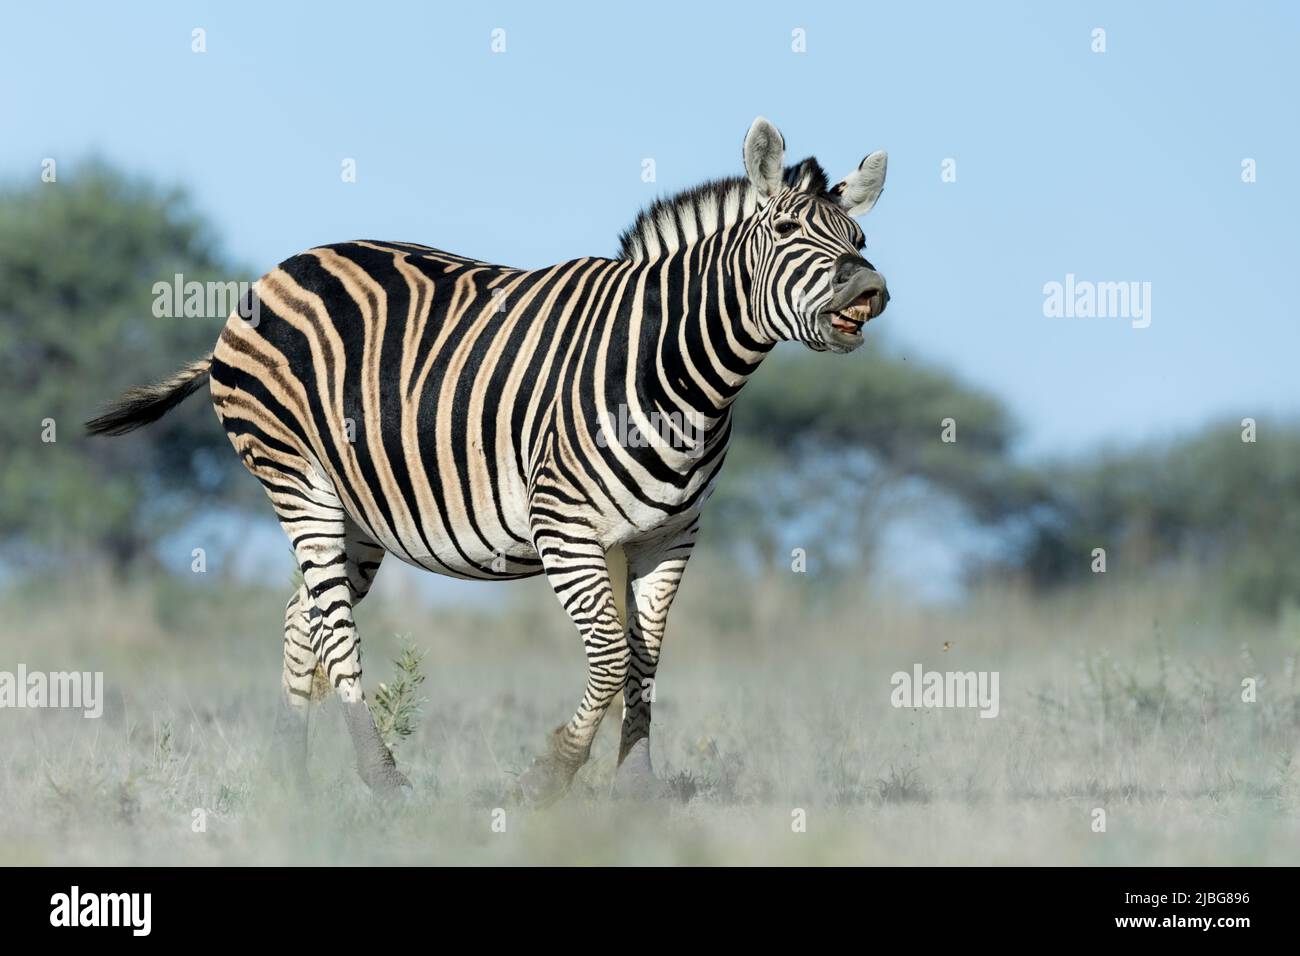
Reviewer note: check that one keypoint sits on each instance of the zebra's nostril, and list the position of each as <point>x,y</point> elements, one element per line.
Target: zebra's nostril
<point>846,265</point>
<point>845,271</point>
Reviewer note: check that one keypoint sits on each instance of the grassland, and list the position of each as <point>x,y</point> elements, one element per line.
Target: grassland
<point>773,697</point>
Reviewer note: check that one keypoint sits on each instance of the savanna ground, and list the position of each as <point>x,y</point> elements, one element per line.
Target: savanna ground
<point>773,696</point>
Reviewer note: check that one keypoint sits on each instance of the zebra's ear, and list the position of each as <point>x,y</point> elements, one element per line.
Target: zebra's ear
<point>764,157</point>
<point>859,190</point>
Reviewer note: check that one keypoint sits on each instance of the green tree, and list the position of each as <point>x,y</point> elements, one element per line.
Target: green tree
<point>1226,507</point>
<point>78,262</point>
<point>826,451</point>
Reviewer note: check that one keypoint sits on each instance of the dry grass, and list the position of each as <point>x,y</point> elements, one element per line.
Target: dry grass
<point>772,698</point>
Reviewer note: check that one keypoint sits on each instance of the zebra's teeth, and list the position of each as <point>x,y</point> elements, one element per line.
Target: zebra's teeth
<point>850,321</point>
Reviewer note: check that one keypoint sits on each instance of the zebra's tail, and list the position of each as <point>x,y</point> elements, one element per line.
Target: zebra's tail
<point>144,404</point>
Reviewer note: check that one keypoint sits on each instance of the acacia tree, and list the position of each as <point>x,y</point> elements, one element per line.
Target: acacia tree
<point>1223,501</point>
<point>79,258</point>
<point>827,451</point>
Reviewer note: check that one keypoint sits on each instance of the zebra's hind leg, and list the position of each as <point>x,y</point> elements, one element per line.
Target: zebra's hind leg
<point>301,620</point>
<point>338,563</point>
<point>341,657</point>
<point>375,761</point>
<point>580,578</point>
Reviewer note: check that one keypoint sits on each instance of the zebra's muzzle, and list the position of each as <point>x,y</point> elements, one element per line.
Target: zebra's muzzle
<point>859,295</point>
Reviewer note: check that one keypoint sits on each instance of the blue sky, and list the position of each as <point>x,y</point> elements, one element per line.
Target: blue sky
<point>1118,166</point>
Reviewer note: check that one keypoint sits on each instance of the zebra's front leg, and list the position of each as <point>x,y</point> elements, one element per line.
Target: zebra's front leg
<point>654,572</point>
<point>580,578</point>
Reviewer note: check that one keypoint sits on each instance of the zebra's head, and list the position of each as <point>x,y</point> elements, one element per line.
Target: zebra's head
<point>810,281</point>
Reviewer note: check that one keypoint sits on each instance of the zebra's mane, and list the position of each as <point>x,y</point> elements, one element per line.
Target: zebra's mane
<point>673,222</point>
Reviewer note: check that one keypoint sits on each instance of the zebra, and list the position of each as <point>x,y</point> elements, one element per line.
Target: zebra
<point>396,399</point>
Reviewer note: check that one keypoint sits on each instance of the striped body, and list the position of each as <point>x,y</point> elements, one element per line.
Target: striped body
<point>449,401</point>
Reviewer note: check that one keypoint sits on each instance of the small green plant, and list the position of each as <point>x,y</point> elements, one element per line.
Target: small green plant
<point>396,706</point>
<point>902,786</point>
<point>684,786</point>
<point>162,746</point>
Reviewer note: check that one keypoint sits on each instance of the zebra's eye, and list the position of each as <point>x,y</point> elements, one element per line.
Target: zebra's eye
<point>786,227</point>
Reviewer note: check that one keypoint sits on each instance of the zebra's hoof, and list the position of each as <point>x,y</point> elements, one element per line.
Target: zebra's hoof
<point>387,782</point>
<point>635,778</point>
<point>545,781</point>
